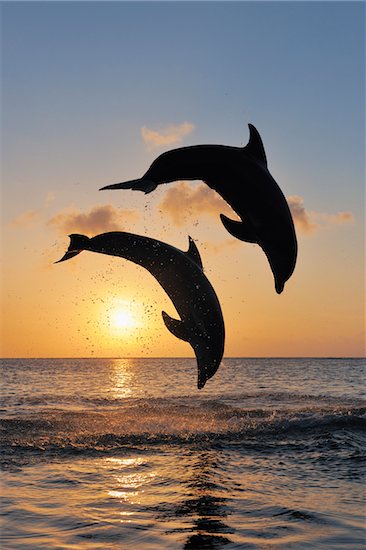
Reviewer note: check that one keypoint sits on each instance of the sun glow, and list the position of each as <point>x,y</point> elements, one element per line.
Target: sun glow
<point>123,316</point>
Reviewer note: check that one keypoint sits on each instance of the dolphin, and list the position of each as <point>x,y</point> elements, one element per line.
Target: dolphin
<point>181,275</point>
<point>240,175</point>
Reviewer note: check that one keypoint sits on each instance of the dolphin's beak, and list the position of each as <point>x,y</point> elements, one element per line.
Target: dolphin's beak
<point>207,366</point>
<point>201,380</point>
<point>282,266</point>
<point>279,285</point>
<point>137,185</point>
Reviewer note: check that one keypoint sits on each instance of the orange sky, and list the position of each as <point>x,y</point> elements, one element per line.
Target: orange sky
<point>85,105</point>
<point>70,309</point>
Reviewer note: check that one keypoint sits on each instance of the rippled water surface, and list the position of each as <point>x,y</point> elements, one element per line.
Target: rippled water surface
<point>127,453</point>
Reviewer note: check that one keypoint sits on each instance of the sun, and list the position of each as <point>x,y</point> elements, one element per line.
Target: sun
<point>122,318</point>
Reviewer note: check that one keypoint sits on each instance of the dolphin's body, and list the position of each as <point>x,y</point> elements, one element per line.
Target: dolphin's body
<point>240,175</point>
<point>181,276</point>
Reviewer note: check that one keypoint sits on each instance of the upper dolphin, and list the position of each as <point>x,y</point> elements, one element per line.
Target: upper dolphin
<point>181,276</point>
<point>240,175</point>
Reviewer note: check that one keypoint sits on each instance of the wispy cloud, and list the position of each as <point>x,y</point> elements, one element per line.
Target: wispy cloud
<point>220,246</point>
<point>30,218</point>
<point>26,219</point>
<point>337,219</point>
<point>309,221</point>
<point>303,220</point>
<point>98,219</point>
<point>184,201</point>
<point>168,136</point>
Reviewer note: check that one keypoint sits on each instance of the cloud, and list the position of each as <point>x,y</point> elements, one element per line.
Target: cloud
<point>27,219</point>
<point>302,219</point>
<point>219,246</point>
<point>311,221</point>
<point>98,219</point>
<point>170,135</point>
<point>200,200</point>
<point>183,201</point>
<point>31,217</point>
<point>336,219</point>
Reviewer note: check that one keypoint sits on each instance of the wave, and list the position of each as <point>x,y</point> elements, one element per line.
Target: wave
<point>265,398</point>
<point>150,422</point>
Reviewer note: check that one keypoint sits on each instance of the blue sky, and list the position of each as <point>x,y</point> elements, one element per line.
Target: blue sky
<point>86,76</point>
<point>80,80</point>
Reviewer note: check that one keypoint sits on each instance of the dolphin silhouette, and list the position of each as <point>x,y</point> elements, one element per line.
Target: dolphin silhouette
<point>240,175</point>
<point>181,275</point>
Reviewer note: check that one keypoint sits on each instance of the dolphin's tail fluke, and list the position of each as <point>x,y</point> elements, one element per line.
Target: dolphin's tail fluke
<point>136,185</point>
<point>78,243</point>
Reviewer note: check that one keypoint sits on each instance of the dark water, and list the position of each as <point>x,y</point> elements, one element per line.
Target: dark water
<point>127,453</point>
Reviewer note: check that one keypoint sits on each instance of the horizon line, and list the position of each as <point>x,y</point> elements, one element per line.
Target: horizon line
<point>185,357</point>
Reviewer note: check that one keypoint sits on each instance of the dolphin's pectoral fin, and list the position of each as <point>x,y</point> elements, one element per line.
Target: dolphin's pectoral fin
<point>176,327</point>
<point>240,230</point>
<point>193,253</point>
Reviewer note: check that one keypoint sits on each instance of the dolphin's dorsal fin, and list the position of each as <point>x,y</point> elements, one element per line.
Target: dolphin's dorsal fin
<point>255,145</point>
<point>240,230</point>
<point>193,253</point>
<point>176,327</point>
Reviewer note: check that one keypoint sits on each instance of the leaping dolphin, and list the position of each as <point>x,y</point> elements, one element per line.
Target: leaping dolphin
<point>240,175</point>
<point>181,275</point>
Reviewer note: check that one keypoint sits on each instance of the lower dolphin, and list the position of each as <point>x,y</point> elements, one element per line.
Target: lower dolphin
<point>181,275</point>
<point>241,176</point>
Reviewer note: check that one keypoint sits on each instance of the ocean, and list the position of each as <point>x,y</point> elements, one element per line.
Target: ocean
<point>128,454</point>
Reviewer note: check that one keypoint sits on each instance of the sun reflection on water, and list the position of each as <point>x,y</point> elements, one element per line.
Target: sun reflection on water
<point>128,483</point>
<point>123,376</point>
<point>196,505</point>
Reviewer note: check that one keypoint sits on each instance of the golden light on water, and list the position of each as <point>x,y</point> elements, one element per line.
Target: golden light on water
<point>128,483</point>
<point>122,380</point>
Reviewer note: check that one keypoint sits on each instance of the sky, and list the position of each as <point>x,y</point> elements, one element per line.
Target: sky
<point>93,92</point>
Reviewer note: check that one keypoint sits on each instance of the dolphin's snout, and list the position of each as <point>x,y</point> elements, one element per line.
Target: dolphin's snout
<point>207,366</point>
<point>202,379</point>
<point>279,286</point>
<point>282,263</point>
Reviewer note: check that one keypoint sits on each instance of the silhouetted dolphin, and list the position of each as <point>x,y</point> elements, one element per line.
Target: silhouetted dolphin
<point>240,175</point>
<point>181,276</point>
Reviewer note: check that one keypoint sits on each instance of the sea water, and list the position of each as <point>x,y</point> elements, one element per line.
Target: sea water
<point>127,453</point>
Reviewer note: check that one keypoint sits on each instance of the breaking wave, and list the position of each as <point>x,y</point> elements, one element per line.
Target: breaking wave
<point>108,425</point>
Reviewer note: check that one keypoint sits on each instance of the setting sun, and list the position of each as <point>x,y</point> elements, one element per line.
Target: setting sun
<point>122,318</point>
<point>123,315</point>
